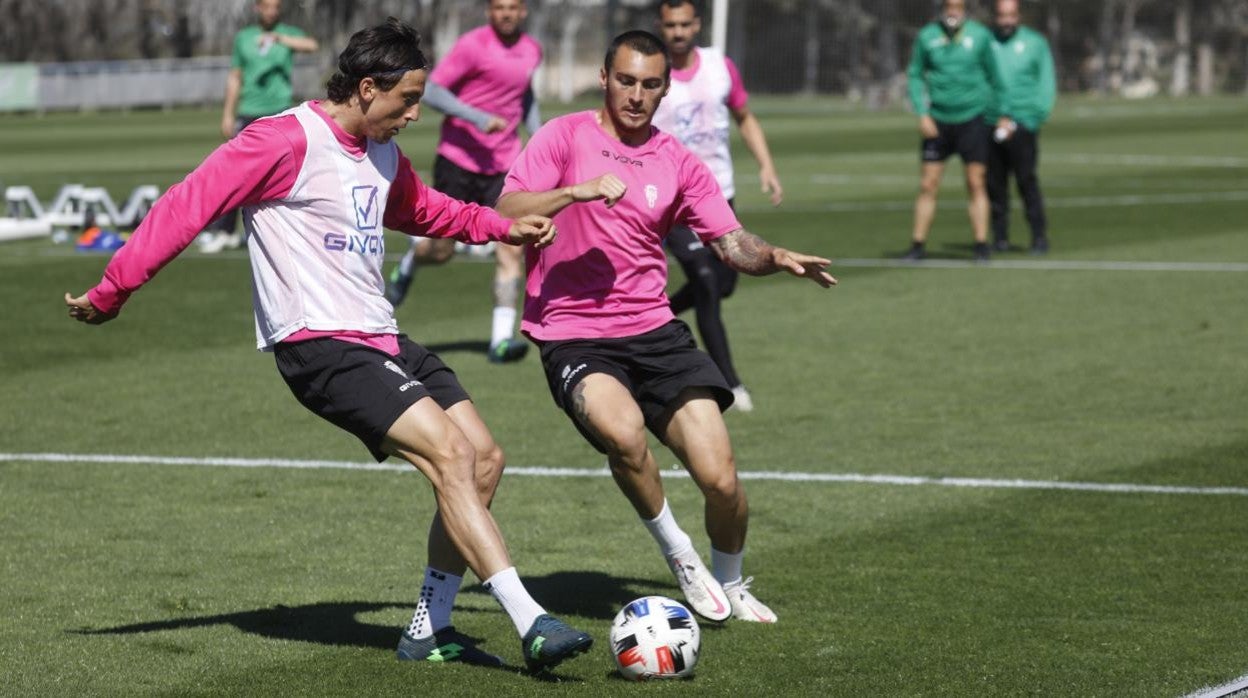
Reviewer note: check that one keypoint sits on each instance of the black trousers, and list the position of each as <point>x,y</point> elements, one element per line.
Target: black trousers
<point>1019,155</point>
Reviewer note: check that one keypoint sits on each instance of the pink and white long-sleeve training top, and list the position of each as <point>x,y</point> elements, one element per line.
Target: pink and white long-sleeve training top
<point>315,200</point>
<point>606,273</point>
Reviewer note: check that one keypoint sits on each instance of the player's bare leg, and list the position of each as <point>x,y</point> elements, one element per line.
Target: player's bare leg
<point>508,276</point>
<point>978,207</point>
<point>925,206</point>
<point>443,555</point>
<point>698,436</point>
<point>426,437</point>
<point>430,440</point>
<point>608,411</point>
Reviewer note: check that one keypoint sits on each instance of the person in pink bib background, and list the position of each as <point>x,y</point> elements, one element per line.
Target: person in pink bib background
<point>317,184</point>
<point>616,359</point>
<point>705,96</point>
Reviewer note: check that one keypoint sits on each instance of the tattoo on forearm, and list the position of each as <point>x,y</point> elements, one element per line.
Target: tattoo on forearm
<point>746,252</point>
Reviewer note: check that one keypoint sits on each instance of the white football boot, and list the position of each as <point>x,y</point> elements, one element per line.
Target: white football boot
<point>745,606</point>
<point>704,594</point>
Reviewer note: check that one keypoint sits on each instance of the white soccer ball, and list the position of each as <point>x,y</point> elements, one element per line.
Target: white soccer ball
<point>655,637</point>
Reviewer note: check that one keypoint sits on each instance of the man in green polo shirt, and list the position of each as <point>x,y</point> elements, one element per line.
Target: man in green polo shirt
<point>258,85</point>
<point>953,81</point>
<point>1027,66</point>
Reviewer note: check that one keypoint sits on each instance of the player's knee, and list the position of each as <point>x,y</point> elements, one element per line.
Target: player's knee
<point>724,488</point>
<point>454,463</point>
<point>727,282</point>
<point>437,251</point>
<point>929,186</point>
<point>490,463</point>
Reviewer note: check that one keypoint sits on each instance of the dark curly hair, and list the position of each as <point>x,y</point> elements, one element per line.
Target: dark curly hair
<point>384,53</point>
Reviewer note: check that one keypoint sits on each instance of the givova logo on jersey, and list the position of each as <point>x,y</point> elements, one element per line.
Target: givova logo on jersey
<point>373,245</point>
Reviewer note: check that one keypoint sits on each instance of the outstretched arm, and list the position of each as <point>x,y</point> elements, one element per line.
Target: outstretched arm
<point>260,164</point>
<point>750,254</point>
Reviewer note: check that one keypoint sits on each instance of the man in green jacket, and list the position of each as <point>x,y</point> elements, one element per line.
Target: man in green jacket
<point>258,84</point>
<point>1027,66</point>
<point>954,80</point>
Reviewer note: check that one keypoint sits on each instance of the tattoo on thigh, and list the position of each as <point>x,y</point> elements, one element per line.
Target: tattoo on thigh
<point>578,404</point>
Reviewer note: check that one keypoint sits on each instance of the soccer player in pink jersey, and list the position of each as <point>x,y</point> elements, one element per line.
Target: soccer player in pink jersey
<point>707,93</point>
<point>484,86</point>
<point>316,184</point>
<point>617,360</point>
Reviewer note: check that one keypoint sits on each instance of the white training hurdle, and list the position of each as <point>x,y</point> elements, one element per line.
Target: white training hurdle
<point>75,206</point>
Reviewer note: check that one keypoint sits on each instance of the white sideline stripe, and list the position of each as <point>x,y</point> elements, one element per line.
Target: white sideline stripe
<point>1053,202</point>
<point>541,471</point>
<point>1046,265</point>
<point>1225,689</point>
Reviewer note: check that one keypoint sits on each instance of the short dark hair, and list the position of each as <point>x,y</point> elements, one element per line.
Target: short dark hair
<point>384,53</point>
<point>643,42</point>
<point>677,4</point>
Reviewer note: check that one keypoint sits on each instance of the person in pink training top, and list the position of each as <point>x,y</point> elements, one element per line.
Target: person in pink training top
<point>616,358</point>
<point>484,86</point>
<point>316,184</point>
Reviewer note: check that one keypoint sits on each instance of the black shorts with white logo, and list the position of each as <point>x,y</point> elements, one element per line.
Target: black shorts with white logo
<point>969,139</point>
<point>655,367</point>
<point>465,185</point>
<point>361,389</point>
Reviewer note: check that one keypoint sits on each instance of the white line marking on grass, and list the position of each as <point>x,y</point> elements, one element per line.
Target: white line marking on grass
<point>1226,689</point>
<point>1046,265</point>
<point>1119,201</point>
<point>541,471</point>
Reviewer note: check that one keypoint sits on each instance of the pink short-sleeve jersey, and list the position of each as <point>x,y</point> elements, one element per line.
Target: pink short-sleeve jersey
<point>489,75</point>
<point>606,273</point>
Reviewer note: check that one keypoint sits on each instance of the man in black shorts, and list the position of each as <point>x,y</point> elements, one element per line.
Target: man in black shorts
<point>616,359</point>
<point>314,231</point>
<point>953,80</point>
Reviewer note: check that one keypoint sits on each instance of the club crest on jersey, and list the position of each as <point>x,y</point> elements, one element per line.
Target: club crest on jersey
<point>364,202</point>
<point>395,367</point>
<point>652,195</point>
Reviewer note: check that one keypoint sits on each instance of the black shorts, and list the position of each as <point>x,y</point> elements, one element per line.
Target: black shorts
<point>364,390</point>
<point>458,183</point>
<point>655,367</point>
<point>969,139</point>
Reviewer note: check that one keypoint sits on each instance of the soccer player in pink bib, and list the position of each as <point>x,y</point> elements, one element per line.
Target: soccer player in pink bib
<point>705,96</point>
<point>316,184</point>
<point>484,86</point>
<point>616,359</point>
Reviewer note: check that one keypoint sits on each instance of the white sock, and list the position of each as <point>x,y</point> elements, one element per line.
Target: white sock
<point>514,598</point>
<point>668,534</point>
<point>504,324</point>
<point>407,265</point>
<point>437,597</point>
<point>726,566</point>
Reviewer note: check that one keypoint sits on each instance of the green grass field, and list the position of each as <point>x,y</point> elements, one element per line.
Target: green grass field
<point>145,578</point>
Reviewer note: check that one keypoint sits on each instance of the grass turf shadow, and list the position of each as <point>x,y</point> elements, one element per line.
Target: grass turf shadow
<point>335,623</point>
